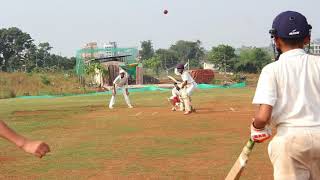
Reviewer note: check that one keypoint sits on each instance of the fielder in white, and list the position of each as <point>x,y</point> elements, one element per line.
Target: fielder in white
<point>120,83</point>
<point>187,87</point>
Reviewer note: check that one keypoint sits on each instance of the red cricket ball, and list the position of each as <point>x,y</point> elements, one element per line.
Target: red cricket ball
<point>165,12</point>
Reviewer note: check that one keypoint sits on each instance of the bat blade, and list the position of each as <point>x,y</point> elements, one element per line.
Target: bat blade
<point>173,79</point>
<point>239,165</point>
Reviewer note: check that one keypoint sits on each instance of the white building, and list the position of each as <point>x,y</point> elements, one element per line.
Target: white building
<point>209,66</point>
<point>315,47</point>
<point>110,49</point>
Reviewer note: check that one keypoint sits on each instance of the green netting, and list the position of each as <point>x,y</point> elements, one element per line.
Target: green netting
<point>143,89</point>
<point>80,66</point>
<point>88,54</point>
<point>130,69</point>
<point>211,86</point>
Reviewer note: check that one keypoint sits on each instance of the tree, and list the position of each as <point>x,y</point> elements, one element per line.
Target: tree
<point>14,46</point>
<point>31,56</point>
<point>168,58</point>
<point>18,52</point>
<point>189,50</point>
<point>154,63</point>
<point>223,57</point>
<point>43,58</point>
<point>67,63</point>
<point>252,60</point>
<point>147,50</point>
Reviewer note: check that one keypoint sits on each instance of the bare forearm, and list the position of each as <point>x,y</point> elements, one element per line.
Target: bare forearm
<point>11,135</point>
<point>262,116</point>
<point>259,123</point>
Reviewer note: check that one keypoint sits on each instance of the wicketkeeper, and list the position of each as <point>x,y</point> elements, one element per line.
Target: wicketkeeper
<point>120,83</point>
<point>187,87</point>
<point>175,99</point>
<point>288,95</point>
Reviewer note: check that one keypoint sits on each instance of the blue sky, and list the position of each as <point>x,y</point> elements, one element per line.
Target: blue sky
<point>68,24</point>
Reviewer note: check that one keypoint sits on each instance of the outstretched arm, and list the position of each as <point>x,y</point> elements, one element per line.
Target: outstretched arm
<point>36,148</point>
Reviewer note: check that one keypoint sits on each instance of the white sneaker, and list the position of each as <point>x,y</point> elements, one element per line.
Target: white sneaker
<point>110,107</point>
<point>188,112</point>
<point>130,106</point>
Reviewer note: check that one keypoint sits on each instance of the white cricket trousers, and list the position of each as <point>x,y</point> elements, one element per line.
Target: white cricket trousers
<point>186,96</point>
<point>113,98</point>
<point>191,88</point>
<point>295,153</point>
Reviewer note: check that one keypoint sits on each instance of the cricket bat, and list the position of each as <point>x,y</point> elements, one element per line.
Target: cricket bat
<point>173,79</point>
<point>239,165</point>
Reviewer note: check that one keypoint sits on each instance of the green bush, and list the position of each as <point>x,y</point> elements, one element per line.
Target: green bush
<point>216,81</point>
<point>45,80</point>
<point>238,78</point>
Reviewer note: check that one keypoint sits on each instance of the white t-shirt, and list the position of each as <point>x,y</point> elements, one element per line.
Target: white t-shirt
<point>187,77</point>
<point>121,82</point>
<point>292,86</point>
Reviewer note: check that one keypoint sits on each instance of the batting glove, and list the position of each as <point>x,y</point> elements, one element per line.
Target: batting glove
<point>260,135</point>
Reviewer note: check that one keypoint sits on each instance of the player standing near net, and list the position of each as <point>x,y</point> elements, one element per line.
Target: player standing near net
<point>121,82</point>
<point>37,148</point>
<point>187,87</point>
<point>288,95</point>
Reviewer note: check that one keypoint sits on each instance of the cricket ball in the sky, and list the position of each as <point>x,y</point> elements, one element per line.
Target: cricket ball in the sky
<point>165,11</point>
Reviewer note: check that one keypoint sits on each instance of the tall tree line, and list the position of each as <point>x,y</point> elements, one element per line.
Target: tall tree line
<point>18,52</point>
<point>224,57</point>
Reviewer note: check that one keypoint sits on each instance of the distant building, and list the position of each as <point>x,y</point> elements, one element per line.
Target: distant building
<point>209,66</point>
<point>110,49</point>
<point>315,47</point>
<point>89,52</point>
<point>108,52</point>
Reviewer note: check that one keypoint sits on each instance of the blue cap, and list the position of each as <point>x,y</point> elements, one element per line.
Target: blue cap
<point>290,25</point>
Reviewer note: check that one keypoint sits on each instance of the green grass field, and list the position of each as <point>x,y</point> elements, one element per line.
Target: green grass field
<point>89,141</point>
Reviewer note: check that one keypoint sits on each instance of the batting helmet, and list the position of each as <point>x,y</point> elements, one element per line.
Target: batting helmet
<point>180,66</point>
<point>290,25</point>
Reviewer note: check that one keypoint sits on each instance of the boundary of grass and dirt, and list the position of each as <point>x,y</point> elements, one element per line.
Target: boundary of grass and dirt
<point>139,88</point>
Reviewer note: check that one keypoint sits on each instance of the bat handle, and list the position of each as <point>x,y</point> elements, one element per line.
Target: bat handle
<point>250,144</point>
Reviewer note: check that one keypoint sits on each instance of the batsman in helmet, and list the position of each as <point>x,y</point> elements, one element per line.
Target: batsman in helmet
<point>188,85</point>
<point>288,98</point>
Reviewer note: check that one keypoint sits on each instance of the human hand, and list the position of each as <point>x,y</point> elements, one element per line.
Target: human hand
<point>37,148</point>
<point>260,135</point>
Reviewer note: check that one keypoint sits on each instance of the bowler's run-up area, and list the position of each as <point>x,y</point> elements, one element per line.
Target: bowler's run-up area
<point>90,141</point>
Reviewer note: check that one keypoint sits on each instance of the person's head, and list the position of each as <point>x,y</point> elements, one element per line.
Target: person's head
<point>180,68</point>
<point>122,73</point>
<point>290,30</point>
